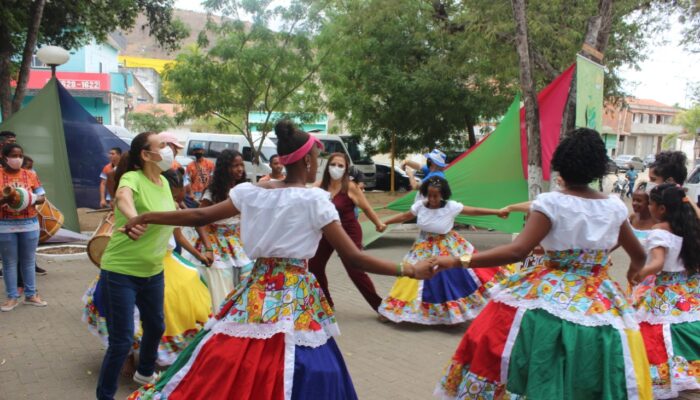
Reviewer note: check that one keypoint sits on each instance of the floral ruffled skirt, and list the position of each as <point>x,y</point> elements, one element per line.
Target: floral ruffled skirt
<point>273,338</point>
<point>556,330</point>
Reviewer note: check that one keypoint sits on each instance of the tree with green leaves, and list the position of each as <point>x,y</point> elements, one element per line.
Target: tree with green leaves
<point>250,67</point>
<point>155,121</point>
<point>395,70</point>
<point>70,24</point>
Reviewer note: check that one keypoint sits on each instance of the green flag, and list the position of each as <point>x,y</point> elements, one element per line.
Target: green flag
<point>39,130</point>
<point>490,175</point>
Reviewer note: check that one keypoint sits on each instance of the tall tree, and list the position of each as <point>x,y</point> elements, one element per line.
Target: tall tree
<point>532,113</point>
<point>397,69</point>
<point>70,24</point>
<point>250,68</point>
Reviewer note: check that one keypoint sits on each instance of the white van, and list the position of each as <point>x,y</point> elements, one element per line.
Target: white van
<point>215,143</point>
<point>336,144</point>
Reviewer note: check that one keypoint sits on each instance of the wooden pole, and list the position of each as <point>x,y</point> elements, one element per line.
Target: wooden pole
<point>393,156</point>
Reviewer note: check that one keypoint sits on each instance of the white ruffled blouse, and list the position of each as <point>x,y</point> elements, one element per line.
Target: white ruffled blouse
<point>283,223</point>
<point>579,223</point>
<point>672,243</point>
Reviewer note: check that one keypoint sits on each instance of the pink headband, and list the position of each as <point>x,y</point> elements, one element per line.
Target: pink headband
<point>299,153</point>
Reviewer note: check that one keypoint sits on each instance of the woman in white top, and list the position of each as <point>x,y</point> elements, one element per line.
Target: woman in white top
<point>561,329</point>
<point>273,337</point>
<point>452,296</point>
<point>221,240</point>
<point>669,309</point>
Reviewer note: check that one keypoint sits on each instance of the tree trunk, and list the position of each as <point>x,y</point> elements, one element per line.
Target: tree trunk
<point>471,132</point>
<point>5,79</point>
<point>392,177</point>
<point>532,117</point>
<point>27,54</point>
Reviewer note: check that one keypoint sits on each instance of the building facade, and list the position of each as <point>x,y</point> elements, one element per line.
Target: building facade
<point>640,127</point>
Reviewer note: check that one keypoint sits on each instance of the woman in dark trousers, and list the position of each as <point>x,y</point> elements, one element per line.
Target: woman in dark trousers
<point>132,272</point>
<point>345,195</point>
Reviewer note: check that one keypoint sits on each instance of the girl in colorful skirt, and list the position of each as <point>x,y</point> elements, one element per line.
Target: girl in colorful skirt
<point>221,240</point>
<point>273,338</point>
<point>562,329</point>
<point>453,296</point>
<point>669,309</point>
<point>187,305</point>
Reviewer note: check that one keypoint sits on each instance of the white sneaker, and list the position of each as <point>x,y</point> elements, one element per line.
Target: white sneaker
<point>145,380</point>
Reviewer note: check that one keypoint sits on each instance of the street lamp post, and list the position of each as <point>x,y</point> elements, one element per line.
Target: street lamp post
<point>53,56</point>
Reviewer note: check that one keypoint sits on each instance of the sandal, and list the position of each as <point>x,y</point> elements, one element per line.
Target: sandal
<point>35,301</point>
<point>9,305</point>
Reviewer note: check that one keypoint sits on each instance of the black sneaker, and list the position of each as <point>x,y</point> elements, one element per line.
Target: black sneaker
<point>39,271</point>
<point>0,273</point>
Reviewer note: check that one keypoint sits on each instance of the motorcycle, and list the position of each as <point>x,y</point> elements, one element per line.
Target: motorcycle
<point>620,186</point>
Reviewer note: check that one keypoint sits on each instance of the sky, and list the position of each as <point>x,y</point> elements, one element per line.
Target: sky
<point>664,76</point>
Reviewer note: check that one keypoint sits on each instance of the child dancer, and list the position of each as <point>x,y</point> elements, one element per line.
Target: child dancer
<point>451,297</point>
<point>221,241</point>
<point>669,310</point>
<point>187,306</point>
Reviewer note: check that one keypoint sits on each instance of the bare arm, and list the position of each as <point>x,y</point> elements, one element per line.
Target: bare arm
<point>536,228</point>
<point>409,163</point>
<point>467,210</point>
<point>125,202</point>
<point>634,249</point>
<point>182,241</point>
<point>523,207</point>
<point>189,217</point>
<point>103,185</point>
<point>400,218</point>
<point>655,263</point>
<point>337,237</point>
<point>415,184</point>
<point>358,197</point>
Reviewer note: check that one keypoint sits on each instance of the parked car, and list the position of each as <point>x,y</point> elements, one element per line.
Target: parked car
<point>402,183</point>
<point>650,158</point>
<point>215,143</point>
<point>693,185</point>
<point>625,161</point>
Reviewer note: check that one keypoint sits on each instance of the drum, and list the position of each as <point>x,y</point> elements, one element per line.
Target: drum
<point>50,220</point>
<point>98,243</point>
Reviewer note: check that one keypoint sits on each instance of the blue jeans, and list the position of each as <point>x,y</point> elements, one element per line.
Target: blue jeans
<point>120,293</point>
<point>19,253</point>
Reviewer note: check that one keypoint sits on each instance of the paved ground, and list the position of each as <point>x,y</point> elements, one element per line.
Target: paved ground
<point>49,354</point>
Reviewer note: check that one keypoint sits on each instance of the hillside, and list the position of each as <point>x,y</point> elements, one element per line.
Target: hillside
<point>140,44</point>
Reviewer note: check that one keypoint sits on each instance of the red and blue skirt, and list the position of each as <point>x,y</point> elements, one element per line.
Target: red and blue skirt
<point>450,297</point>
<point>561,329</point>
<point>272,339</point>
<point>668,311</point>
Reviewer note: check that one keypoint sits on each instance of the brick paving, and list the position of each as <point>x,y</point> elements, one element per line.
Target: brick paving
<point>49,354</point>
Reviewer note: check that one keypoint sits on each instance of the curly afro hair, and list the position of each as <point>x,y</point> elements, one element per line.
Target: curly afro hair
<point>581,157</point>
<point>436,182</point>
<point>671,164</point>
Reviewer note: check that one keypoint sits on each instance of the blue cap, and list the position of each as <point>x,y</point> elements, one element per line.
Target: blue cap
<point>437,157</point>
<point>197,146</point>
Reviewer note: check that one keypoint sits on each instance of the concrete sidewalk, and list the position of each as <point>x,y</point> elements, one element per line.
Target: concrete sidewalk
<point>48,353</point>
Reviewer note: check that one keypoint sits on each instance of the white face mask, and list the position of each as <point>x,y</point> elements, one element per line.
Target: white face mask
<point>336,172</point>
<point>15,163</point>
<point>166,158</point>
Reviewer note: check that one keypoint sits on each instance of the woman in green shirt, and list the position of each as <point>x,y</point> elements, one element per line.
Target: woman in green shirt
<point>132,271</point>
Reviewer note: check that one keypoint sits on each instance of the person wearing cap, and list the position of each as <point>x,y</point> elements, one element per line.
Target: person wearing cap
<point>115,154</point>
<point>171,140</point>
<point>435,166</point>
<point>199,172</point>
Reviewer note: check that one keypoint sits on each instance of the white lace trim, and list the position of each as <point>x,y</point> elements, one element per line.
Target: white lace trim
<point>266,331</point>
<point>510,342</point>
<point>617,322</point>
<point>440,393</point>
<point>668,343</point>
<point>468,315</point>
<point>289,361</point>
<point>651,318</point>
<point>630,375</point>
